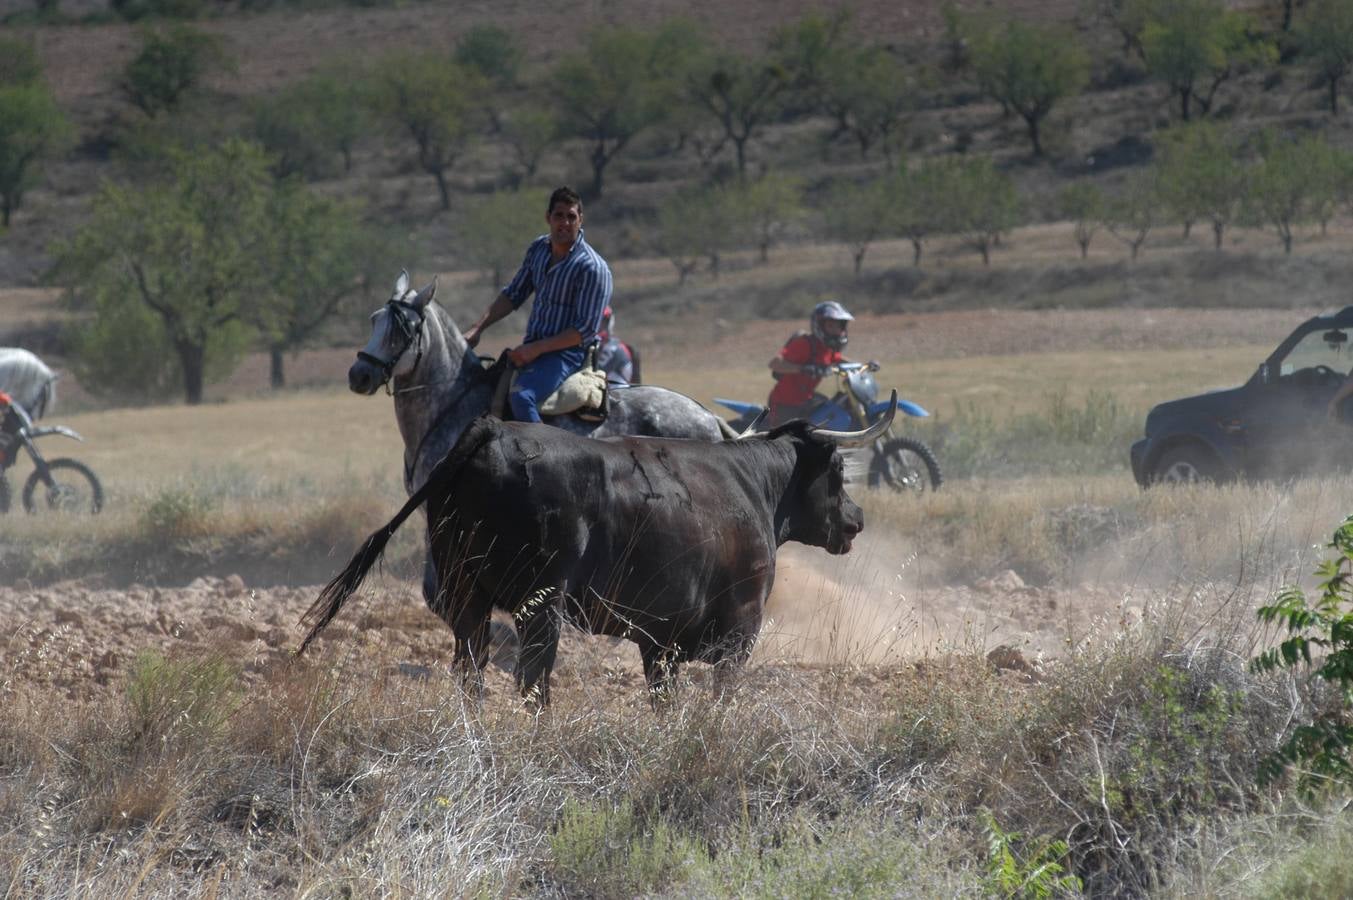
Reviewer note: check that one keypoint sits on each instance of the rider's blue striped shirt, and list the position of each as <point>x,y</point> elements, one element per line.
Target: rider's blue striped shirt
<point>569,294</point>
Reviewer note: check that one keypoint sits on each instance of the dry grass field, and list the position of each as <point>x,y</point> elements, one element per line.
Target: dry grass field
<point>1031,683</point>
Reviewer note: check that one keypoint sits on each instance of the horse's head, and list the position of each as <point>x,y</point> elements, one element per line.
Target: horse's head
<point>397,338</point>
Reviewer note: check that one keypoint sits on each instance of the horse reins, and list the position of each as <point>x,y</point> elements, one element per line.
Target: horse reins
<point>408,319</point>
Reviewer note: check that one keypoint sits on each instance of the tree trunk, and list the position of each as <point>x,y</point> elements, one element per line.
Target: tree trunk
<point>1334,96</point>
<point>1033,134</point>
<point>442,187</point>
<point>740,146</point>
<point>277,376</point>
<point>1085,249</point>
<point>192,358</point>
<point>599,160</point>
<point>1217,229</point>
<point>859,259</point>
<point>916,252</point>
<point>1188,228</point>
<point>1184,95</point>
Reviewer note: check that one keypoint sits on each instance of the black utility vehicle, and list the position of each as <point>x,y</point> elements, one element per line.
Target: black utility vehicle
<point>1273,426</point>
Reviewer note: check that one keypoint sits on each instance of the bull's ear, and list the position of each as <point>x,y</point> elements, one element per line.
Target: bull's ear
<point>426,294</point>
<point>402,284</point>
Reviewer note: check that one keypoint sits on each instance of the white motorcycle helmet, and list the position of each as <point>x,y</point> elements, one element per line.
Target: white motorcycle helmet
<point>830,309</point>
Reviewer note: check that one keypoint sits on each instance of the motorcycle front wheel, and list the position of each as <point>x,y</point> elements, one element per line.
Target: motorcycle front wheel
<point>905,464</point>
<point>74,489</point>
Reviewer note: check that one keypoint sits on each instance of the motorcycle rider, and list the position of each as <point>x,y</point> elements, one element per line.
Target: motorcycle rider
<point>13,419</point>
<point>614,357</point>
<point>803,361</point>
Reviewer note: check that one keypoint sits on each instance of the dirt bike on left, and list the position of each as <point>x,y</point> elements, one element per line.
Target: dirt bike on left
<point>58,485</point>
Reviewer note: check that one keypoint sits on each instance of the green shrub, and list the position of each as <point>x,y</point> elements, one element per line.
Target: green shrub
<point>181,699</point>
<point>1318,749</point>
<point>605,851</point>
<point>850,857</point>
<point>1035,873</point>
<point>175,514</point>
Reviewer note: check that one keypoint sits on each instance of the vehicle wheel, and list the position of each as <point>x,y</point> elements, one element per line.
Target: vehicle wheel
<point>4,494</point>
<point>905,465</point>
<point>1186,465</point>
<point>75,489</point>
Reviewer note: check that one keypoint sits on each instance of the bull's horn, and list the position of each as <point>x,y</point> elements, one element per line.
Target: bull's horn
<point>755,426</point>
<point>849,438</point>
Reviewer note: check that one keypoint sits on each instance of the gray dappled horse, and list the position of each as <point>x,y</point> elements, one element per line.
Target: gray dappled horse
<point>440,386</point>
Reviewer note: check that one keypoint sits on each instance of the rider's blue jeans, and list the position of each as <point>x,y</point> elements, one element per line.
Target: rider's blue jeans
<point>541,378</point>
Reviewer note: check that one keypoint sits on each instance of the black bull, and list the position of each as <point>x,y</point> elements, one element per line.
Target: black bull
<point>668,543</point>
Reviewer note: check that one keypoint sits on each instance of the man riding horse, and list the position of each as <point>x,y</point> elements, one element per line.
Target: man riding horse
<point>572,284</point>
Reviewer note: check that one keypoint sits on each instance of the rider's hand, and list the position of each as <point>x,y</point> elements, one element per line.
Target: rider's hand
<point>521,356</point>
<point>873,365</point>
<point>472,337</point>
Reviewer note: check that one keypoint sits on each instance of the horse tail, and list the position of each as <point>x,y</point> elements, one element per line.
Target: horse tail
<point>346,583</point>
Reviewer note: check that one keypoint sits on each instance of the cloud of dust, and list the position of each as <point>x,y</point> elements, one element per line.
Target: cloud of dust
<point>855,608</point>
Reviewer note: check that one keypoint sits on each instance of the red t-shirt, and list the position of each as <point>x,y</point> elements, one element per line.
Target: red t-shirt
<point>797,388</point>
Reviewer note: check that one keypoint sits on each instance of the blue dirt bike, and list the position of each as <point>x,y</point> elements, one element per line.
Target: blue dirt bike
<point>902,463</point>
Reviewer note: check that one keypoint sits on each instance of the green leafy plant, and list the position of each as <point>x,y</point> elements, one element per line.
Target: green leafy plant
<point>174,515</point>
<point>612,852</point>
<point>1320,639</point>
<point>190,698</point>
<point>1036,873</point>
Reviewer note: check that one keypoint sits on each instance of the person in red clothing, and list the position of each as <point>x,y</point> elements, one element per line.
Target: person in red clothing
<point>804,360</point>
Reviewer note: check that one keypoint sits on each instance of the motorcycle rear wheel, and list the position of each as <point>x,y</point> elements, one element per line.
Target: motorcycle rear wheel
<point>75,489</point>
<point>905,464</point>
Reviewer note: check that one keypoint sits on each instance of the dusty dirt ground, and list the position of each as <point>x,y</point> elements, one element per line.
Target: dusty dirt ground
<point>79,642</point>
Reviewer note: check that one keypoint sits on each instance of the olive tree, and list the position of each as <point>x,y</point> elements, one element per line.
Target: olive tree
<point>19,63</point>
<point>1083,205</point>
<point>1325,38</point>
<point>608,92</point>
<point>171,63</point>
<point>981,203</point>
<point>868,92</point>
<point>1132,212</point>
<point>433,100</point>
<point>317,258</point>
<point>1195,46</point>
<point>495,229</point>
<point>765,209</point>
<point>1201,175</point>
<point>32,129</point>
<point>741,93</point>
<point>695,225</point>
<point>1029,69</point>
<point>182,255</point>
<point>313,125</point>
<point>917,198</point>
<point>178,278</point>
<point>856,215</point>
<point>1286,182</point>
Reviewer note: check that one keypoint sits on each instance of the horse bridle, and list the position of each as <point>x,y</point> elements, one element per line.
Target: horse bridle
<point>407,318</point>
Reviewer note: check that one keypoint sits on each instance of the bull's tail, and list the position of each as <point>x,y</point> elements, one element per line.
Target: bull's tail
<point>337,592</point>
